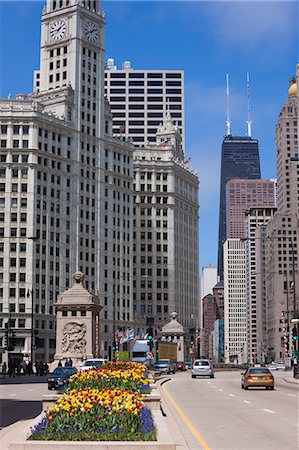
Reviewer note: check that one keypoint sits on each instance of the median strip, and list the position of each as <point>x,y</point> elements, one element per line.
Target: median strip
<point>187,421</point>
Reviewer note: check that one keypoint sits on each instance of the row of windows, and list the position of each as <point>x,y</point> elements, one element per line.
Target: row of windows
<point>142,99</point>
<point>134,74</point>
<point>16,143</point>
<point>140,91</point>
<point>15,173</point>
<point>115,106</point>
<point>142,83</point>
<point>142,114</point>
<point>17,129</point>
<point>14,187</point>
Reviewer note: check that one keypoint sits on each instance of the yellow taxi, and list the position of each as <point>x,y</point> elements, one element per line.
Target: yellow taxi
<point>257,377</point>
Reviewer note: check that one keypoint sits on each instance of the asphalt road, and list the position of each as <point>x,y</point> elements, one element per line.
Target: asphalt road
<point>229,418</point>
<point>20,398</point>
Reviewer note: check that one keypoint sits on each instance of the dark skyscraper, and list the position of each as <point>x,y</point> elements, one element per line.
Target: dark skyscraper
<point>239,159</point>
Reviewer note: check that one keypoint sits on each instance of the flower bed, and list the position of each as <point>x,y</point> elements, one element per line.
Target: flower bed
<point>127,376</point>
<point>90,414</point>
<point>103,404</point>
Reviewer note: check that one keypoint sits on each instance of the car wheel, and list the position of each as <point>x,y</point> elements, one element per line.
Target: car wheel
<point>212,376</point>
<point>193,376</point>
<point>272,388</point>
<point>242,387</point>
<point>245,387</point>
<point>50,389</point>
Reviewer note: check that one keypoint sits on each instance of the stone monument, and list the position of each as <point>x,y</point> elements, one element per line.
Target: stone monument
<point>173,331</point>
<point>77,324</point>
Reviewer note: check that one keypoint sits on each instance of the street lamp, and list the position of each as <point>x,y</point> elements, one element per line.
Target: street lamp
<point>30,293</point>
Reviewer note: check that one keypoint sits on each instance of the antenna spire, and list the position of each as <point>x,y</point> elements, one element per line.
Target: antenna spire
<point>248,106</point>
<point>228,124</point>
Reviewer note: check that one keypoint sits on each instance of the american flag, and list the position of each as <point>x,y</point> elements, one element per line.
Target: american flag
<point>187,160</point>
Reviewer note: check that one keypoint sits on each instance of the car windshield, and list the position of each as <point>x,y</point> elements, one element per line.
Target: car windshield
<point>64,371</point>
<point>93,363</point>
<point>258,370</point>
<point>201,363</point>
<point>163,361</point>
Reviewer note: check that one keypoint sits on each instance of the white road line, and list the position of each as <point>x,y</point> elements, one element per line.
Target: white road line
<point>246,401</point>
<point>268,410</point>
<point>292,395</point>
<point>231,395</point>
<point>30,390</point>
<point>12,395</point>
<point>213,386</point>
<point>220,390</point>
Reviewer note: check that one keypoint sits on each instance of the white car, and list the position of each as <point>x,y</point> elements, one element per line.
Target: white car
<point>281,365</point>
<point>272,366</point>
<point>95,363</point>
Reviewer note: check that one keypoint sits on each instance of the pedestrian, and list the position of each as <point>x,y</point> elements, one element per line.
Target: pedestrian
<point>36,365</point>
<point>59,363</point>
<point>68,362</point>
<point>18,369</point>
<point>4,369</point>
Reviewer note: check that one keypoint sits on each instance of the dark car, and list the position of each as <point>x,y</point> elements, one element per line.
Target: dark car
<point>60,377</point>
<point>164,366</point>
<point>180,365</point>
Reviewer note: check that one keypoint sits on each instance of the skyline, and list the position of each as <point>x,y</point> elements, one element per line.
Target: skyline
<point>222,40</point>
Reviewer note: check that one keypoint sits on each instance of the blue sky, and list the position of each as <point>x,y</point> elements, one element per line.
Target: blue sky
<point>204,38</point>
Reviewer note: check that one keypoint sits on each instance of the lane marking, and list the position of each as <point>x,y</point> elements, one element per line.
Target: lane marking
<point>12,395</point>
<point>268,410</point>
<point>213,386</point>
<point>292,395</point>
<point>246,401</point>
<point>231,395</point>
<point>30,390</point>
<point>187,421</point>
<point>220,390</point>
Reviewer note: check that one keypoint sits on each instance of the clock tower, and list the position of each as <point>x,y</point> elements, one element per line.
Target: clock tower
<point>72,63</point>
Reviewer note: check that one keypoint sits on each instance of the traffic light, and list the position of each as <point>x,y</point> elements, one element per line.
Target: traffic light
<point>113,346</point>
<point>192,340</point>
<point>150,334</point>
<point>295,334</point>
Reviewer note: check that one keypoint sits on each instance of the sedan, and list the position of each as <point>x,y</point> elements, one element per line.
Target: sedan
<point>60,377</point>
<point>272,366</point>
<point>257,377</point>
<point>164,366</point>
<point>281,365</point>
<point>202,367</point>
<point>180,365</point>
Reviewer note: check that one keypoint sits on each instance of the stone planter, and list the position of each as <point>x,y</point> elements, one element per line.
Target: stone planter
<point>164,440</point>
<point>152,400</point>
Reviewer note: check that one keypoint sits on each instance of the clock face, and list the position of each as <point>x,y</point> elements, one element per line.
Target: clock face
<point>58,30</point>
<point>91,31</point>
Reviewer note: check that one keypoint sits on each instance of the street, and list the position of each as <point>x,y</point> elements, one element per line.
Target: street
<point>20,398</point>
<point>229,418</point>
<point>221,415</point>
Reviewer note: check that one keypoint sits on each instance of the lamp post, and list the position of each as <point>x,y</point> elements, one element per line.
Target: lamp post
<point>30,293</point>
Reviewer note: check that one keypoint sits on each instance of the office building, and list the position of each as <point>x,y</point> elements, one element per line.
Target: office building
<point>239,159</point>
<point>242,195</point>
<point>235,311</point>
<point>255,226</point>
<point>282,278</point>
<point>66,198</point>
<point>165,230</point>
<point>139,98</point>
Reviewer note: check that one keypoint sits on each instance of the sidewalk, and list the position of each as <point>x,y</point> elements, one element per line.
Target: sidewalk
<point>291,379</point>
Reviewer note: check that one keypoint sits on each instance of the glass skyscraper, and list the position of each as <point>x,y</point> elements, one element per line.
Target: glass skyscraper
<point>239,159</point>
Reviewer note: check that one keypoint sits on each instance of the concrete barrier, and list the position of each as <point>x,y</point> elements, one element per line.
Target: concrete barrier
<point>20,442</point>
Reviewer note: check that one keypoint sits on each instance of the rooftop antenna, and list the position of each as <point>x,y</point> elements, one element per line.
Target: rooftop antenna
<point>248,106</point>
<point>228,124</point>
